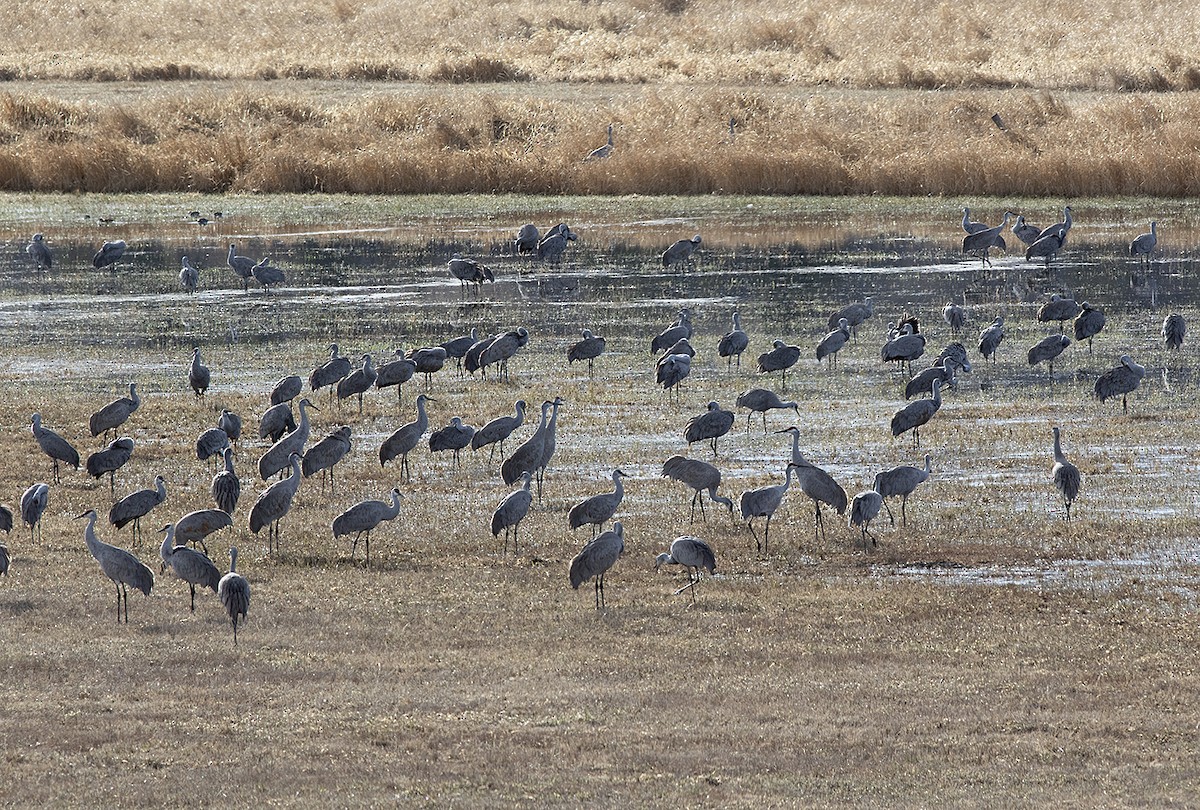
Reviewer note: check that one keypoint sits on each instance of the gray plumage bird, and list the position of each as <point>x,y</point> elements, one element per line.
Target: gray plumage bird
<point>189,277</point>
<point>733,343</point>
<point>287,389</point>
<point>681,252</point>
<point>110,459</point>
<point>199,375</point>
<point>699,476</point>
<point>226,486</point>
<point>597,558</point>
<point>211,443</point>
<point>1047,247</point>
<point>363,517</point>
<point>553,245</point>
<point>405,439</point>
<point>694,555</point>
<point>469,271</point>
<point>549,444</point>
<point>780,358</point>
<point>193,567</point>
<point>527,239</point>
<point>528,454</point>
<point>709,426</point>
<point>955,317</point>
<point>4,562</point>
<point>855,314</point>
<point>1058,309</point>
<point>502,349</point>
<point>457,348</point>
<point>39,251</point>
<point>323,456</point>
<point>274,503</point>
<point>276,421</point>
<point>990,339</point>
<point>672,369</point>
<point>588,348</point>
<point>6,519</point>
<point>1088,323</point>
<point>1063,226</point>
<point>495,432</point>
<point>970,226</point>
<point>329,373</point>
<point>833,342</point>
<point>55,446</point>
<point>277,456</point>
<point>598,509</point>
<point>1173,330</point>
<point>242,266</point>
<point>231,423</point>
<point>863,510</point>
<point>763,502</point>
<point>1142,247</point>
<point>357,382</point>
<point>903,481</point>
<point>454,437</point>
<point>816,483</point>
<point>915,414</point>
<point>234,592</point>
<point>195,527</point>
<point>1048,348</point>
<point>115,413</point>
<point>682,328</point>
<point>470,360</point>
<point>981,242</point>
<point>1121,381</point>
<point>118,565</point>
<point>1025,232</point>
<point>267,274</point>
<point>395,372</point>
<point>761,400</point>
<point>109,254</point>
<point>512,510</point>
<point>905,347</point>
<point>1065,475</point>
<point>33,505</point>
<point>602,152</point>
<point>922,381</point>
<point>135,506</point>
<point>428,361</point>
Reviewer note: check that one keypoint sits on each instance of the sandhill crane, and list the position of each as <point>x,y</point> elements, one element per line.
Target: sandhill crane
<point>922,381</point>
<point>855,314</point>
<point>863,510</point>
<point>109,254</point>
<point>955,317</point>
<point>457,348</point>
<point>760,400</point>
<point>273,503</point>
<point>1173,330</point>
<point>189,277</point>
<point>428,360</point>
<point>709,426</point>
<point>357,382</point>
<point>598,509</point>
<point>956,353</point>
<point>210,443</point>
<point>553,245</point>
<point>833,342</point>
<point>700,476</point>
<point>231,423</point>
<point>1120,380</point>
<point>405,438</point>
<point>549,444</point>
<point>905,347</point>
<point>115,413</point>
<point>276,457</point>
<point>762,502</point>
<point>287,389</point>
<point>589,347</point>
<point>3,559</point>
<point>512,510</point>
<point>527,239</point>
<point>680,252</point>
<point>1047,247</point>
<point>470,360</point>
<point>194,527</point>
<point>970,226</point>
<point>1064,226</point>
<point>469,271</point>
<point>364,516</point>
<point>528,454</point>
<point>110,459</point>
<point>1142,247</point>
<point>193,567</point>
<point>395,372</point>
<point>454,437</point>
<point>502,349</point>
<point>329,373</point>
<point>55,446</point>
<point>903,481</point>
<point>267,274</point>
<point>1088,323</point>
<point>33,505</point>
<point>981,242</point>
<point>226,486</point>
<point>682,328</point>
<point>681,346</point>
<point>1058,309</point>
<point>323,456</point>
<point>6,519</point>
<point>135,506</point>
<point>117,564</point>
<point>1065,475</point>
<point>780,358</point>
<point>671,370</point>
<point>604,151</point>
<point>496,431</point>
<point>693,554</point>
<point>276,421</point>
<point>1025,232</point>
<point>1048,348</point>
<point>990,338</point>
<point>733,343</point>
<point>596,558</point>
<point>915,414</point>
<point>40,253</point>
<point>234,592</point>
<point>815,482</point>
<point>242,266</point>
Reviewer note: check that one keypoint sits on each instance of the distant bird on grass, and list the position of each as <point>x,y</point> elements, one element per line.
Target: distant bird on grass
<point>274,503</point>
<point>226,486</point>
<point>915,414</point>
<point>1088,323</point>
<point>761,400</point>
<point>195,526</point>
<point>733,343</point>
<point>267,274</point>
<point>234,592</point>
<point>512,510</point>
<point>781,357</point>
<point>598,509</point>
<point>602,152</point>
<point>495,432</point>
<point>596,559</point>
<point>135,506</point>
<point>357,382</point>
<point>955,317</point>
<point>1047,247</point>
<point>115,413</point>
<point>1058,309</point>
<point>981,242</point>
<point>1065,475</point>
<point>863,510</point>
<point>242,266</point>
<point>694,555</point>
<point>1120,380</point>
<point>39,251</point>
<point>1046,349</point>
<point>453,437</point>
<point>815,483</point>
<point>699,476</point>
<point>709,426</point>
<point>405,439</point>
<point>189,277</point>
<point>589,347</point>
<point>324,456</point>
<point>363,517</point>
<point>55,446</point>
<point>1173,330</point>
<point>199,375</point>
<point>469,271</point>
<point>903,481</point>
<point>118,565</point>
<point>833,342</point>
<point>990,339</point>
<point>193,567</point>
<point>763,502</point>
<point>1025,232</point>
<point>110,459</point>
<point>33,505</point>
<point>855,314</point>
<point>554,244</point>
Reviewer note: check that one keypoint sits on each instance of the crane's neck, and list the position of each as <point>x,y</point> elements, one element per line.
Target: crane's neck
<point>395,508</point>
<point>1058,453</point>
<point>233,560</point>
<point>168,544</point>
<point>229,460</point>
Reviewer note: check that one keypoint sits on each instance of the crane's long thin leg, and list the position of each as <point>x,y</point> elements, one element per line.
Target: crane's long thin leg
<point>192,586</point>
<point>891,518</point>
<point>767,535</point>
<point>903,515</point>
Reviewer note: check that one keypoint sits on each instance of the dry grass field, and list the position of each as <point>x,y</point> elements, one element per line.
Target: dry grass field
<point>984,655</point>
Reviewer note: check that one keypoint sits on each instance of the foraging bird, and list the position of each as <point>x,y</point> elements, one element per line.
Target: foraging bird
<point>231,424</point>
<point>762,502</point>
<point>527,239</point>
<point>496,431</point>
<point>1121,380</point>
<point>226,486</point>
<point>1058,309</point>
<point>198,375</point>
<point>709,426</point>
<point>918,413</point>
<point>855,314</point>
<point>193,567</point>
<point>981,242</point>
<point>512,510</point>
<point>234,592</point>
<point>699,476</point>
<point>833,342</point>
<point>780,358</point>
<point>277,456</point>
<point>195,526</point>
<point>682,328</point>
<point>267,274</point>
<point>287,389</point>
<point>693,554</point>
<point>596,558</point>
<point>672,369</point>
<point>528,454</point>
<point>211,442</point>
<point>357,382</point>
<point>554,243</point>
<point>395,372</point>
<point>405,439</point>
<point>954,316</point>
<point>903,481</point>
<point>117,564</point>
<point>1065,475</point>
<point>1025,232</point>
<point>276,421</point>
<point>33,505</point>
<point>588,348</point>
<point>363,517</point>
<point>990,338</point>
<point>189,277</point>
<point>454,436</point>
<point>55,446</point>
<point>1047,246</point>
<point>1064,226</point>
<point>274,502</point>
<point>863,510</point>
<point>109,253</point>
<point>733,342</point>
<point>1173,330</point>
<point>1048,348</point>
<point>502,349</point>
<point>1088,323</point>
<point>815,482</point>
<point>680,252</point>
<point>325,454</point>
<point>1142,247</point>
<point>135,506</point>
<point>331,372</point>
<point>469,271</point>
<point>760,400</point>
<point>242,266</point>
<point>110,459</point>
<point>115,413</point>
<point>40,253</point>
<point>905,347</point>
<point>603,151</point>
<point>598,509</point>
